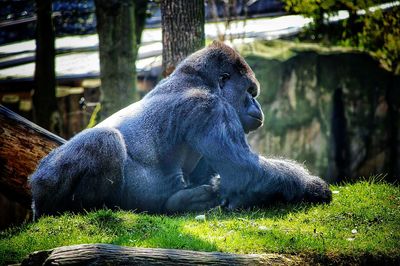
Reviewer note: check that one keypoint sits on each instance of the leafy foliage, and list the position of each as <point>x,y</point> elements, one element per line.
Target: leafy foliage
<point>381,35</point>
<point>376,31</point>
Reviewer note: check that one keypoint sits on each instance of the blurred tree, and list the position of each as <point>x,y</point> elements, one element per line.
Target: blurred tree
<point>44,99</point>
<point>380,33</point>
<point>227,12</point>
<point>376,31</point>
<point>119,25</point>
<point>182,23</point>
<point>140,18</point>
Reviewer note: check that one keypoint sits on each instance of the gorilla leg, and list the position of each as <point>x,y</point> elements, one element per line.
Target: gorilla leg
<point>199,198</point>
<point>84,173</point>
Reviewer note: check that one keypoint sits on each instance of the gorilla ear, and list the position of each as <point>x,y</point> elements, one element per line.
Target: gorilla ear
<point>222,79</point>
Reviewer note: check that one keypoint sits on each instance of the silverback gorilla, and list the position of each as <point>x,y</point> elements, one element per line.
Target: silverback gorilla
<point>161,154</point>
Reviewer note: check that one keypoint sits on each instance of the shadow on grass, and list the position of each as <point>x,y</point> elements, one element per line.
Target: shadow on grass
<point>147,230</point>
<point>276,210</point>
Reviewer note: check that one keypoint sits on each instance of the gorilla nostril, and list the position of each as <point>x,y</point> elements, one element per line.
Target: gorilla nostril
<point>253,91</point>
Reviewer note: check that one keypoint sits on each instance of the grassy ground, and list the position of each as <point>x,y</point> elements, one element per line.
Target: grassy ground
<point>362,220</point>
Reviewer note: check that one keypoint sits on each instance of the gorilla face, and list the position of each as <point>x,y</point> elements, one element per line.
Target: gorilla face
<point>237,84</point>
<point>240,87</point>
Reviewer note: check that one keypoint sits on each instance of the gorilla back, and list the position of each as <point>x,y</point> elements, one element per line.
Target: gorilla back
<point>161,154</point>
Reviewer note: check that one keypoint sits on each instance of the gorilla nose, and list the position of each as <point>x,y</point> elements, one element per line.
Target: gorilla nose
<point>255,112</point>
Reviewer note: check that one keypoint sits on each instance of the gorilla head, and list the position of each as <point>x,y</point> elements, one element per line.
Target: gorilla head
<point>226,70</point>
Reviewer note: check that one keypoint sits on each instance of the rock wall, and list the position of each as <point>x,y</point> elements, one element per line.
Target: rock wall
<point>335,110</point>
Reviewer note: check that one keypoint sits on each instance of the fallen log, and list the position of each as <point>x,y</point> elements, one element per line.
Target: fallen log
<point>22,145</point>
<point>105,254</point>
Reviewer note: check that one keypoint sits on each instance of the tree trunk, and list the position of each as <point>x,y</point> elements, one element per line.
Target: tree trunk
<point>118,52</point>
<point>22,145</point>
<point>103,254</point>
<point>140,19</point>
<point>182,23</point>
<point>46,112</point>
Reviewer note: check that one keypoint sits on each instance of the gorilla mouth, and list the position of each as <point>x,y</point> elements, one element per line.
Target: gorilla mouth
<point>257,118</point>
<point>254,123</point>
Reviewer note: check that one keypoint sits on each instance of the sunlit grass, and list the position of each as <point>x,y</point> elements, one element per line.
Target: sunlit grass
<point>363,219</point>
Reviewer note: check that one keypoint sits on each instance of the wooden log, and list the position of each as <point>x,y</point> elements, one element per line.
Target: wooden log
<point>22,145</point>
<point>105,254</point>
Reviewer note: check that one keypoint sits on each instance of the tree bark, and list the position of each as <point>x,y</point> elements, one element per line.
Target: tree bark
<point>22,145</point>
<point>46,112</point>
<point>118,51</point>
<point>182,23</point>
<point>103,254</point>
<point>140,19</point>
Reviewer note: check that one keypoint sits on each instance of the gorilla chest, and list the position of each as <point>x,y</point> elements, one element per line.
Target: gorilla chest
<point>181,159</point>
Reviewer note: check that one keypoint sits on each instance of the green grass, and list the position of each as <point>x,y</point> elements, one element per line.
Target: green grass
<point>362,220</point>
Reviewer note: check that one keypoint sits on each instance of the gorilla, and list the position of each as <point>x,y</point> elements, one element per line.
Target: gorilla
<point>181,148</point>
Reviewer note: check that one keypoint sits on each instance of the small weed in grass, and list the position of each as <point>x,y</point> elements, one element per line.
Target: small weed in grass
<point>362,220</point>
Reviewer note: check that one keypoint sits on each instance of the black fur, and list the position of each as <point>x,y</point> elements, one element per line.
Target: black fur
<point>144,157</point>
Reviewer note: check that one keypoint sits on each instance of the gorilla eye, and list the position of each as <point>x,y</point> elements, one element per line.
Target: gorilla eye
<point>224,77</point>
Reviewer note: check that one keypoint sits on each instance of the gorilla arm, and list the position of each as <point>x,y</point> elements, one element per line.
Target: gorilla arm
<point>248,179</point>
